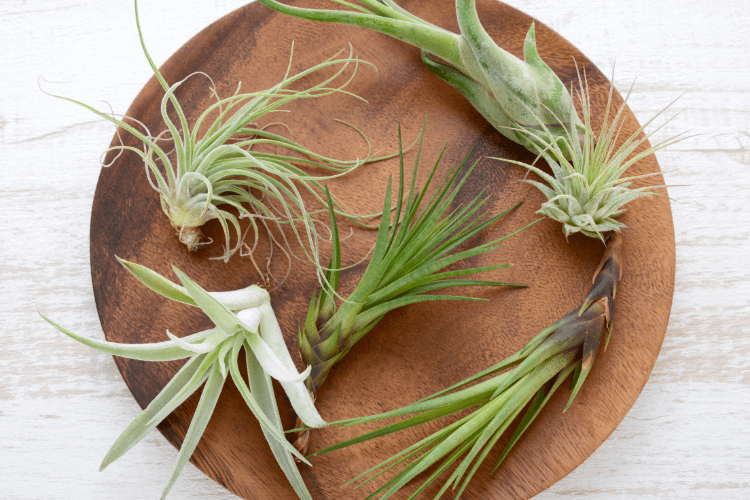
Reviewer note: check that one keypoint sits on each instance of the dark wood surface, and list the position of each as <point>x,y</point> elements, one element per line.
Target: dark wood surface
<point>416,350</point>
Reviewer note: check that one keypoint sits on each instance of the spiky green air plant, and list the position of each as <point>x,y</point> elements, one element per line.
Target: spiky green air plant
<point>218,172</point>
<point>408,260</point>
<point>510,93</point>
<point>568,346</point>
<point>243,318</point>
<point>587,190</point>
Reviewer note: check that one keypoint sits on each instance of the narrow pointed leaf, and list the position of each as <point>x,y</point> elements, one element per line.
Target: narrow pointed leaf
<point>202,415</point>
<point>143,424</point>
<point>160,351</point>
<point>261,387</point>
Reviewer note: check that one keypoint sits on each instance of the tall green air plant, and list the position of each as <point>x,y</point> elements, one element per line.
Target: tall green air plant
<point>217,175</point>
<point>411,255</point>
<point>244,319</point>
<point>510,93</point>
<point>527,379</point>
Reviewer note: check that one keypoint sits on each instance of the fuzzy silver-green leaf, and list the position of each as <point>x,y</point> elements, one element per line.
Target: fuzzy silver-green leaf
<point>587,188</point>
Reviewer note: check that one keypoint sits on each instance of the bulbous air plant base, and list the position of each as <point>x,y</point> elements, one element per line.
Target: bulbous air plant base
<point>191,236</point>
<point>187,220</point>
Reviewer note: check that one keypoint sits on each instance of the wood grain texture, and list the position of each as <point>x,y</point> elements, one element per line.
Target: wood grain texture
<point>62,404</point>
<point>384,371</point>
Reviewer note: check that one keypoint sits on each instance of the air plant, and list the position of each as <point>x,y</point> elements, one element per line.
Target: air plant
<point>585,193</point>
<point>513,95</point>
<point>218,174</point>
<point>568,346</point>
<point>586,189</point>
<point>409,257</point>
<point>244,319</point>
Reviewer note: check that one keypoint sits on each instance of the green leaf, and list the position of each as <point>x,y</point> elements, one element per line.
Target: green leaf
<point>364,318</point>
<point>330,347</point>
<point>330,285</point>
<point>490,443</point>
<point>517,399</point>
<point>190,386</point>
<point>222,317</point>
<point>160,351</point>
<point>311,329</point>
<point>158,283</point>
<point>305,348</point>
<point>540,401</point>
<point>202,415</point>
<point>272,429</point>
<point>295,389</point>
<point>261,387</point>
<point>590,348</point>
<point>166,399</point>
<point>421,34</point>
<point>230,324</point>
<point>270,362</point>
<point>207,345</point>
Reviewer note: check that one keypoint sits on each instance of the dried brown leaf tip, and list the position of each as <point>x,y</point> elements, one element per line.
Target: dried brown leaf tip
<point>301,442</point>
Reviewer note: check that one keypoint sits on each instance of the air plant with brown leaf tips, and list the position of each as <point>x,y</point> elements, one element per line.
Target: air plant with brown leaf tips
<point>568,346</point>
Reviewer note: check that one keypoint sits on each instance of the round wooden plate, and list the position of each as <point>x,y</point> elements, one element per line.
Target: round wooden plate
<point>419,349</point>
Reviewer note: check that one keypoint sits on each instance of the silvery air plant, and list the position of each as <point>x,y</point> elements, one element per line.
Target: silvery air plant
<point>513,95</point>
<point>586,190</point>
<point>218,175</point>
<point>243,319</point>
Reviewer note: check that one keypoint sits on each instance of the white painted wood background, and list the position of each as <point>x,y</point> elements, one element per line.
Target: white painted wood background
<point>63,404</point>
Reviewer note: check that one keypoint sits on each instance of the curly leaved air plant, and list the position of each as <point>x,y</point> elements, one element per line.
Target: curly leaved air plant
<point>568,346</point>
<point>587,190</point>
<point>219,176</point>
<point>243,318</point>
<point>508,92</point>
